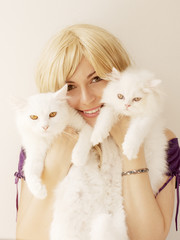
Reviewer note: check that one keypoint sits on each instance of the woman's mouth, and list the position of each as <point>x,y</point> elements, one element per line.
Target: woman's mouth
<point>90,113</point>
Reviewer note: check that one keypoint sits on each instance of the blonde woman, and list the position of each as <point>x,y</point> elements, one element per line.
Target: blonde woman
<point>81,55</point>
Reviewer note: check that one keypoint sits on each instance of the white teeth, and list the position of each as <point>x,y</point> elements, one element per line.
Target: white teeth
<point>92,111</point>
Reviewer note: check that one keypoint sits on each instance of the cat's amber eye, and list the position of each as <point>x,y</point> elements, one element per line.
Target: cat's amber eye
<point>52,114</point>
<point>120,96</point>
<point>137,99</point>
<point>33,117</point>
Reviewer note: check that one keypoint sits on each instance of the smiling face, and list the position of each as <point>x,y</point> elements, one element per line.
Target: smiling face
<point>85,90</point>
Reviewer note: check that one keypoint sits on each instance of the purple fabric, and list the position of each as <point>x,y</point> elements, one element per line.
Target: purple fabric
<point>173,159</point>
<point>20,173</point>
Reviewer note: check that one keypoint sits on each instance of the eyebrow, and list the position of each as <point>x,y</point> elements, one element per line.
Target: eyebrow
<point>90,75</point>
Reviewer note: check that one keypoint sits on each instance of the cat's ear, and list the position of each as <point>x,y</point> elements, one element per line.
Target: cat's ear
<point>113,75</point>
<point>152,85</point>
<point>155,82</point>
<point>115,71</point>
<point>18,103</point>
<point>61,94</point>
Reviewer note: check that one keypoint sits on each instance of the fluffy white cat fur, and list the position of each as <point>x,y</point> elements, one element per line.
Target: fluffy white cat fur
<point>88,202</point>
<point>136,93</point>
<point>40,118</point>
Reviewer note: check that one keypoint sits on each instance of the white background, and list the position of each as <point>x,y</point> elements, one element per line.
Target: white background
<point>149,30</point>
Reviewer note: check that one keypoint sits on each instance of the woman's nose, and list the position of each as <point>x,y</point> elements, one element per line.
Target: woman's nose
<point>87,96</point>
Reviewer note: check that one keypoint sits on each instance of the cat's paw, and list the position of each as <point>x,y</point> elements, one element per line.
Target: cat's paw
<point>41,192</point>
<point>78,161</point>
<point>129,150</point>
<point>79,155</point>
<point>38,189</point>
<point>97,137</point>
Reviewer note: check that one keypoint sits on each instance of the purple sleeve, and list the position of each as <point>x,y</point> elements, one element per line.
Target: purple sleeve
<point>20,173</point>
<point>173,160</point>
<point>174,168</point>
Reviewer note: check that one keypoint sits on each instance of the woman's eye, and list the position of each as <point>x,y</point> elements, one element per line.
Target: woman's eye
<point>96,79</point>
<point>70,87</point>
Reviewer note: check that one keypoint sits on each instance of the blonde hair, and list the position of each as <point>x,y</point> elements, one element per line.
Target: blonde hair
<point>66,49</point>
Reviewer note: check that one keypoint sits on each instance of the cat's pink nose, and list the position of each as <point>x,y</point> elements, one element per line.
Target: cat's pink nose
<point>45,127</point>
<point>127,105</point>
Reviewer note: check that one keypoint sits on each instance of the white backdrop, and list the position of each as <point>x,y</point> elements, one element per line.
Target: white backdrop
<point>149,30</point>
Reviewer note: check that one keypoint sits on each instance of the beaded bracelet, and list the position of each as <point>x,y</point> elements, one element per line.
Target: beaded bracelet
<point>138,171</point>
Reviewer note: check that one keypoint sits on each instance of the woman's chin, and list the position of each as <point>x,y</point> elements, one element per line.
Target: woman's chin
<point>90,121</point>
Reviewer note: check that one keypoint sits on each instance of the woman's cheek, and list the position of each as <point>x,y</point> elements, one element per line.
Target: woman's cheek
<point>99,88</point>
<point>72,100</point>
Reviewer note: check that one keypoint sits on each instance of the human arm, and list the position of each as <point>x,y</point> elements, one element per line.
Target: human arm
<point>147,217</point>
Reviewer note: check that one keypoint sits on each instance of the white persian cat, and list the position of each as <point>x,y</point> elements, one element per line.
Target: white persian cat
<point>137,94</point>
<point>40,119</point>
